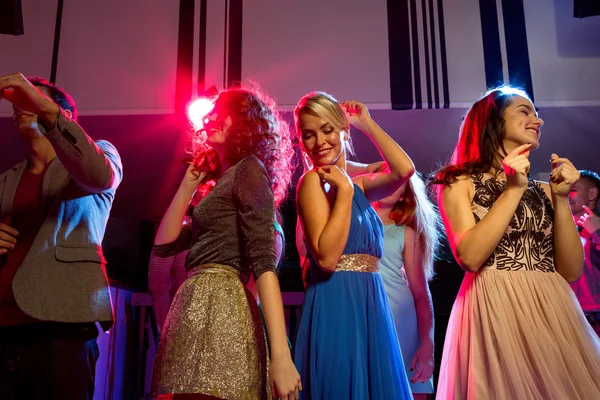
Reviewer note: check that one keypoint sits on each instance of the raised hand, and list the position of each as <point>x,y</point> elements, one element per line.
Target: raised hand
<point>563,176</point>
<point>589,221</point>
<point>335,177</point>
<point>516,167</point>
<point>357,114</point>
<point>284,379</point>
<point>194,175</point>
<point>19,91</point>
<point>8,236</point>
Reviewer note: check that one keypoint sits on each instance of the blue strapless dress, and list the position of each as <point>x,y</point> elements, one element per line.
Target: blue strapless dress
<point>346,343</point>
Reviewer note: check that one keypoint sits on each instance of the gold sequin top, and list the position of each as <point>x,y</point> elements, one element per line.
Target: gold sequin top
<point>233,225</point>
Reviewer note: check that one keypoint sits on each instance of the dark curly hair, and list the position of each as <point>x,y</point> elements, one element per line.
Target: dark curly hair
<point>480,145</point>
<point>58,95</point>
<point>256,129</point>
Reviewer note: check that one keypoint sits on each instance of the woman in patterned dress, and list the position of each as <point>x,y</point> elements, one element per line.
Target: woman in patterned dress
<point>516,329</point>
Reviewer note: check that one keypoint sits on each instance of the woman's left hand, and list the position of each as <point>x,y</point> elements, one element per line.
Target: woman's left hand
<point>563,176</point>
<point>357,114</point>
<point>422,363</point>
<point>284,378</point>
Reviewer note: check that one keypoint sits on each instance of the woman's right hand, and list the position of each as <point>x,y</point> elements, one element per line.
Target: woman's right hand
<point>194,176</point>
<point>336,177</point>
<point>202,166</point>
<point>516,167</point>
<point>284,378</point>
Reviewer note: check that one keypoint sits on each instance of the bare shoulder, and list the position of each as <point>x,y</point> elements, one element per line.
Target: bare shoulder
<point>310,188</point>
<point>308,180</point>
<point>462,186</point>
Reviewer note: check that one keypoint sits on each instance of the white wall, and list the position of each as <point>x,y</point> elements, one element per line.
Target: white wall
<point>119,57</point>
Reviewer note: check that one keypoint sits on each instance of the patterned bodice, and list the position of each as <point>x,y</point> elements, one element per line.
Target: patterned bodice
<point>527,243</point>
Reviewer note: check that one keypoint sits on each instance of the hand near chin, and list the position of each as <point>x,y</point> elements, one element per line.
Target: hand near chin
<point>357,114</point>
<point>563,176</point>
<point>22,94</point>
<point>516,167</point>
<point>336,177</point>
<point>204,167</point>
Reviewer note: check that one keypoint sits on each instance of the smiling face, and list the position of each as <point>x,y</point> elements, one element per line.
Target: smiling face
<point>323,142</point>
<point>521,124</point>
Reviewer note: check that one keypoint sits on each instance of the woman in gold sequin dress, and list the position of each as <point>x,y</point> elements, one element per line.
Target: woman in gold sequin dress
<point>516,330</point>
<point>213,342</point>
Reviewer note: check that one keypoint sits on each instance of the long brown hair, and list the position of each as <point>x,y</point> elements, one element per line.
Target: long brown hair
<point>480,142</point>
<point>416,210</point>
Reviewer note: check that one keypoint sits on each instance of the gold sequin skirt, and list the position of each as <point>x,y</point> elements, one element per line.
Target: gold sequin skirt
<point>213,341</point>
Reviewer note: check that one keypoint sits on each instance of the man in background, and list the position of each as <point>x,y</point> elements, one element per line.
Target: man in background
<point>53,212</point>
<point>583,200</point>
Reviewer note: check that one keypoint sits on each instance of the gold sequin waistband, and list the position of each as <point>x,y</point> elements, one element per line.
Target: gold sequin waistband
<point>358,263</point>
<point>214,268</point>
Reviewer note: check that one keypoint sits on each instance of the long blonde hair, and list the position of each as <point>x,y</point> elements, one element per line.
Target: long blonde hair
<point>417,211</point>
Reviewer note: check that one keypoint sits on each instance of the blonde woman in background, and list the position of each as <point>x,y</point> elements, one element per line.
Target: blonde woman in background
<point>411,234</point>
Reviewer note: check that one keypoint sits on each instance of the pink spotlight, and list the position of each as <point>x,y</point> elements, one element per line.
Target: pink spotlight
<point>197,109</point>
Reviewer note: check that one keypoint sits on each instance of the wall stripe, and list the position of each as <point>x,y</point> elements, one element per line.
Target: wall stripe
<point>401,85</point>
<point>491,43</point>
<point>517,51</point>
<point>418,103</point>
<point>57,27</point>
<point>426,43</point>
<point>202,48</point>
<point>185,55</point>
<point>436,92</point>
<point>234,47</point>
<point>417,53</point>
<point>443,59</point>
<point>225,42</point>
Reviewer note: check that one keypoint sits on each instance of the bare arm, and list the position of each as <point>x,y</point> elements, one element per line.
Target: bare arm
<point>472,243</point>
<point>354,168</point>
<point>568,252</point>
<point>415,273</point>
<point>326,228</point>
<point>253,197</point>
<point>170,226</point>
<point>400,167</point>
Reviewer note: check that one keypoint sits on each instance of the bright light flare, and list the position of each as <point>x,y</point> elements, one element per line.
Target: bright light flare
<point>197,109</point>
